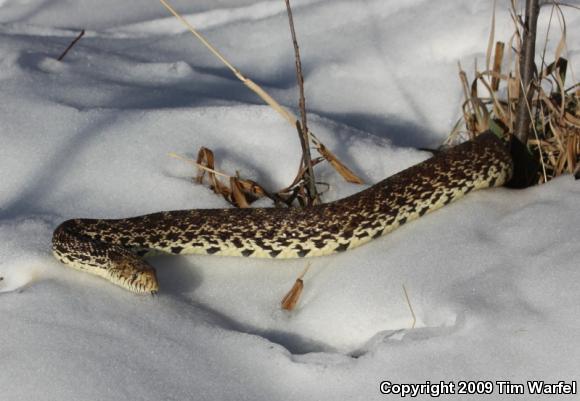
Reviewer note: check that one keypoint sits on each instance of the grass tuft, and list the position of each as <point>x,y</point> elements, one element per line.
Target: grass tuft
<point>491,101</point>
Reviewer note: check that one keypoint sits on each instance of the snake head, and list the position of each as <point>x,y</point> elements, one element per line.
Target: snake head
<point>135,275</point>
<point>144,282</point>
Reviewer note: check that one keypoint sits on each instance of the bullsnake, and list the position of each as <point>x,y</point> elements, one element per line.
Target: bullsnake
<point>113,249</point>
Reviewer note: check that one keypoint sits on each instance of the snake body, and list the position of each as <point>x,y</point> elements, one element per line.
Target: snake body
<point>113,249</point>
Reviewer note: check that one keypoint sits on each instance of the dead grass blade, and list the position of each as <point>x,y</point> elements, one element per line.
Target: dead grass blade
<point>237,193</point>
<point>241,192</point>
<point>344,171</point>
<point>302,126</point>
<point>491,37</point>
<point>291,299</point>
<point>497,59</point>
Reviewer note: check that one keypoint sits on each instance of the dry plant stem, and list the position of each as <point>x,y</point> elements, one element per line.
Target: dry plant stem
<point>70,46</point>
<point>410,307</point>
<point>529,114</point>
<point>238,194</point>
<point>200,166</point>
<point>491,37</point>
<point>238,186</point>
<point>527,69</point>
<point>465,86</point>
<point>480,123</point>
<point>288,116</point>
<point>313,198</point>
<point>299,75</point>
<point>291,299</point>
<point>302,127</point>
<point>498,57</point>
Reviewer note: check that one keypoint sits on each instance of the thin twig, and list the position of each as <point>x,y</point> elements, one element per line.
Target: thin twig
<point>74,42</point>
<point>410,307</point>
<point>313,197</point>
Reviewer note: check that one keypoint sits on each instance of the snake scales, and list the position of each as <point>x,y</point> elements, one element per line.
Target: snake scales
<point>113,249</point>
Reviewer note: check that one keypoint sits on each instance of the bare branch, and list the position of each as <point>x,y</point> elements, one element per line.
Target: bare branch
<point>302,127</point>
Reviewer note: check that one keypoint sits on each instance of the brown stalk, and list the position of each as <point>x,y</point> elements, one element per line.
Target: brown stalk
<point>470,123</point>
<point>302,126</point>
<point>497,59</point>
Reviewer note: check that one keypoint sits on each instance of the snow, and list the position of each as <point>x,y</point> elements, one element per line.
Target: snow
<point>492,279</point>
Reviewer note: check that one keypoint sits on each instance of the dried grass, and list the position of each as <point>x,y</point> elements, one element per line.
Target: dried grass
<point>491,100</point>
<point>241,192</point>
<point>291,299</point>
<point>299,188</point>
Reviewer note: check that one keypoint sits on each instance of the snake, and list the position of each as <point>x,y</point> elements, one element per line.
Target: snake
<point>116,249</point>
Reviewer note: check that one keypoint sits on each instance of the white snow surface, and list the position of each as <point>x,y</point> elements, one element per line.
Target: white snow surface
<point>493,279</point>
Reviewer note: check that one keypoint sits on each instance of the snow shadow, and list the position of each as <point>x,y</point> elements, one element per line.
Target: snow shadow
<point>178,280</point>
<point>178,84</point>
<point>401,133</point>
<point>50,172</point>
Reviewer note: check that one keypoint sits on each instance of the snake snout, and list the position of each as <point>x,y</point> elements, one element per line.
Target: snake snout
<point>146,282</point>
